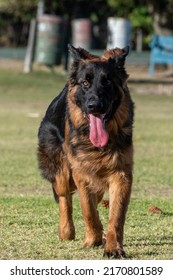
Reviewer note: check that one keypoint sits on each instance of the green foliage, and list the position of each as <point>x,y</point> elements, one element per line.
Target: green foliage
<point>121,8</point>
<point>146,15</point>
<point>140,18</point>
<point>19,8</point>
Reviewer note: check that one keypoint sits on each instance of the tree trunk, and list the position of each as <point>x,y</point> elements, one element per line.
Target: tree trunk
<point>161,13</point>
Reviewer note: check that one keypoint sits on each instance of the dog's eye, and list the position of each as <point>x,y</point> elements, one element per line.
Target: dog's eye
<point>85,83</point>
<point>107,83</point>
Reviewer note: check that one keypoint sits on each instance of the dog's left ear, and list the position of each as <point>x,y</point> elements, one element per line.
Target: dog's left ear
<point>79,53</point>
<point>119,58</point>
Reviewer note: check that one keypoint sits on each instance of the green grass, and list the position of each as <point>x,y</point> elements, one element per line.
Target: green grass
<point>28,214</point>
<point>30,231</point>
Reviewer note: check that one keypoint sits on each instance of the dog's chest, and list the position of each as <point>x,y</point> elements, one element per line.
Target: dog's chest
<point>90,160</point>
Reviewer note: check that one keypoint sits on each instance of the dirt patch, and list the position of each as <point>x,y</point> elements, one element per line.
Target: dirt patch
<point>159,84</point>
<point>18,65</point>
<point>9,64</point>
<point>152,88</point>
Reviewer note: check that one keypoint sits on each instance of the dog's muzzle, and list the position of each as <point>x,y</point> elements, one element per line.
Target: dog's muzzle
<point>94,106</point>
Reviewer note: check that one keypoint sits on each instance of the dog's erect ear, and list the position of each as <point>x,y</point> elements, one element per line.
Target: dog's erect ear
<point>117,56</point>
<point>120,59</point>
<point>79,53</point>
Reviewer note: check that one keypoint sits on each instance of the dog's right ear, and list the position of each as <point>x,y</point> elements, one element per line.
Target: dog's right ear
<point>74,52</point>
<point>79,53</point>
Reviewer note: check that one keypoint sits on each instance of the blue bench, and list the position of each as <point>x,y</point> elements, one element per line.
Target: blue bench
<point>161,51</point>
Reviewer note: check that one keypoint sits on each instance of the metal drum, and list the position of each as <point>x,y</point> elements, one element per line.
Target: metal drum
<point>49,40</point>
<point>119,33</point>
<point>81,33</point>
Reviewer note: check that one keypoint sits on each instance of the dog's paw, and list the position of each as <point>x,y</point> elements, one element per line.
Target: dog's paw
<point>92,241</point>
<point>114,254</point>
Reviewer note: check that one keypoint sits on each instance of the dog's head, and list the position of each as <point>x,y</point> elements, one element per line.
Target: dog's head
<point>99,83</point>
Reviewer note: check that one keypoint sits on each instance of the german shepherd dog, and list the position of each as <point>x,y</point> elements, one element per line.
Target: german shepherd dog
<point>85,144</point>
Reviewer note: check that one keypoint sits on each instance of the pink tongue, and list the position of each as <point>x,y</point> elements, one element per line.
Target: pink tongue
<point>98,135</point>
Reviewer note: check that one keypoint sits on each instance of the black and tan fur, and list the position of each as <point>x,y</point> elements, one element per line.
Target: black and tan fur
<point>96,95</point>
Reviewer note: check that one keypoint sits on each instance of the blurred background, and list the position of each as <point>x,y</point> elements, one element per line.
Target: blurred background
<point>41,29</point>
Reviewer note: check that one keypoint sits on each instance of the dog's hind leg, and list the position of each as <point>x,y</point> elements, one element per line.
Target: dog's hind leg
<point>66,225</point>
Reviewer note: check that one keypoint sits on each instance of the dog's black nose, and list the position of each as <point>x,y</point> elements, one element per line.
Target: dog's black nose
<point>94,105</point>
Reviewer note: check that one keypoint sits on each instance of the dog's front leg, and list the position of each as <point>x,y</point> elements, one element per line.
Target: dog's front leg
<point>119,195</point>
<point>88,201</point>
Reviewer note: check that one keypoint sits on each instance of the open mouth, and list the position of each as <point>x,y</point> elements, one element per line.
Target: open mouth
<point>98,135</point>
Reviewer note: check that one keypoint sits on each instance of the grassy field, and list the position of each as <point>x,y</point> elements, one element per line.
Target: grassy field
<point>28,213</point>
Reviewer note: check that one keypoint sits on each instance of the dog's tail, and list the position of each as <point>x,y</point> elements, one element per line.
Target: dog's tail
<point>55,195</point>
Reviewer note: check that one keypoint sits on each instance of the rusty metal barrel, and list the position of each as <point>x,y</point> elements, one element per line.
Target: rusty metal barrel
<point>49,40</point>
<point>81,33</point>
